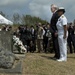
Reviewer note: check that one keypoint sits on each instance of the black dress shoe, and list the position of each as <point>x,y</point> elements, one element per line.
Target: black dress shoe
<point>56,57</point>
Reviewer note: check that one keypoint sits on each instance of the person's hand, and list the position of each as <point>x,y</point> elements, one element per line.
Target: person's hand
<point>56,34</point>
<point>64,36</point>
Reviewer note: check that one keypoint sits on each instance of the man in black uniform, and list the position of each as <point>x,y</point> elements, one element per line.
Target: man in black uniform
<point>71,38</point>
<point>53,22</point>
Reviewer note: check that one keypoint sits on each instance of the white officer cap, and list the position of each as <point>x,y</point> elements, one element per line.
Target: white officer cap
<point>61,9</point>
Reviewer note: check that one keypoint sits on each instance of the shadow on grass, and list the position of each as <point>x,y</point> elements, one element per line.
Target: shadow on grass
<point>52,58</point>
<point>48,57</point>
<point>71,57</point>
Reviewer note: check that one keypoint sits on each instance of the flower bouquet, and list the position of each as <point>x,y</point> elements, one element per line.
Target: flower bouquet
<point>18,43</point>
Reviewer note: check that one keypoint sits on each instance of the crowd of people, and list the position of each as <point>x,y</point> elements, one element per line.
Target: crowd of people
<point>58,31</point>
<point>38,37</point>
<point>34,37</point>
<point>5,28</point>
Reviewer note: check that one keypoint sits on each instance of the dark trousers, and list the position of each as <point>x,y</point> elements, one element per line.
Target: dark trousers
<point>71,41</point>
<point>45,43</point>
<point>56,46</point>
<point>32,45</point>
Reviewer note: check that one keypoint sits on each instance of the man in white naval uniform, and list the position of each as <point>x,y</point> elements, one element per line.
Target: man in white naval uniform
<point>62,34</point>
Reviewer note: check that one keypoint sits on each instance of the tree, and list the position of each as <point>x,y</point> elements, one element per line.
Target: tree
<point>2,13</point>
<point>16,18</point>
<point>31,20</point>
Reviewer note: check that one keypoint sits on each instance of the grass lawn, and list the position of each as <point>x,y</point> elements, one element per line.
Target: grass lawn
<point>43,64</point>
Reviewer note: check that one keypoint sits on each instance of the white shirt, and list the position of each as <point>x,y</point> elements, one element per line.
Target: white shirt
<point>60,23</point>
<point>43,31</point>
<point>32,31</point>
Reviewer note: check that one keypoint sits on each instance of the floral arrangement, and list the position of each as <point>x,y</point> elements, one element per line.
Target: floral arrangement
<point>18,43</point>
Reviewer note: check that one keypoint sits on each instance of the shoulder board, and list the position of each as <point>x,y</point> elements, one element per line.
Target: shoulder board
<point>63,16</point>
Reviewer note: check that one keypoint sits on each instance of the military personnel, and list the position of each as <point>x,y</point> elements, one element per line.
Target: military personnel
<point>62,34</point>
<point>40,34</point>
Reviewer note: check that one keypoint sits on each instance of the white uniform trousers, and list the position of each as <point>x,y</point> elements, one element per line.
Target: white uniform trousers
<point>62,47</point>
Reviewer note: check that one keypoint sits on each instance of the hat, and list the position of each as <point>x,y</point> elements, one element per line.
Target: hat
<point>61,9</point>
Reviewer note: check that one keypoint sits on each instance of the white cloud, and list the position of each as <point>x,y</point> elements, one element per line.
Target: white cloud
<point>40,8</point>
<point>16,11</point>
<point>12,2</point>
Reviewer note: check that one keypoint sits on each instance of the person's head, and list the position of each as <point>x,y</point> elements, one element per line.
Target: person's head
<point>71,25</point>
<point>39,24</point>
<point>32,27</point>
<point>54,8</point>
<point>3,27</point>
<point>61,11</point>
<point>48,26</point>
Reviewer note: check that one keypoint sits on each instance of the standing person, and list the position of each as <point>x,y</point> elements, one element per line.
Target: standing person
<point>54,30</point>
<point>62,34</point>
<point>71,38</point>
<point>45,39</point>
<point>74,29</point>
<point>40,34</point>
<point>32,42</point>
<point>22,34</point>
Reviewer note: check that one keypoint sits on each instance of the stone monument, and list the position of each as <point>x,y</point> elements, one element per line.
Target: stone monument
<point>7,58</point>
<point>6,40</point>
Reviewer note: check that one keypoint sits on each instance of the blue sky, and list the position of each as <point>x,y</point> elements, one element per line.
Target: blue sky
<point>39,8</point>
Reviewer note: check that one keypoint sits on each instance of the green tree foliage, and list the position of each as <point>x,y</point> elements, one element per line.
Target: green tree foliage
<point>31,20</point>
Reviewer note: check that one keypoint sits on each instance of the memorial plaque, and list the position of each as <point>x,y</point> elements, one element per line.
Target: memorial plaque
<point>6,40</point>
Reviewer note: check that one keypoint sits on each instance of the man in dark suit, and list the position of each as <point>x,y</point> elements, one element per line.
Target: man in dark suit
<point>53,22</point>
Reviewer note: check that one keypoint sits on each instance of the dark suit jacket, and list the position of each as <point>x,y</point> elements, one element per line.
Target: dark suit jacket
<point>70,31</point>
<point>53,22</point>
